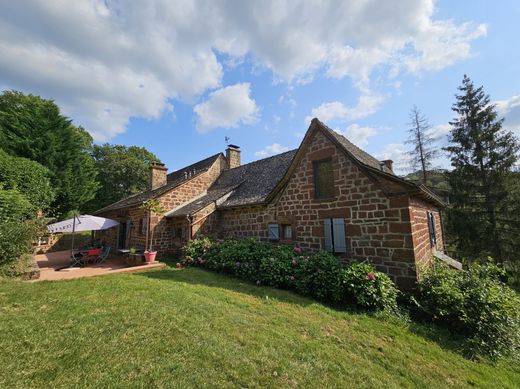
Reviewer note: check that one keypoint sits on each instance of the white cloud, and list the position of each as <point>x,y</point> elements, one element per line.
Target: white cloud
<point>107,61</point>
<point>227,108</point>
<point>358,134</point>
<point>440,131</point>
<point>335,110</point>
<point>510,111</point>
<point>397,152</point>
<point>273,149</point>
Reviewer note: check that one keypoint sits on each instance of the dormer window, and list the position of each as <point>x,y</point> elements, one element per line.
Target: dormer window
<point>323,179</point>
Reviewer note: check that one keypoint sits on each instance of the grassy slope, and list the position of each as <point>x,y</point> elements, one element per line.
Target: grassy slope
<point>191,328</point>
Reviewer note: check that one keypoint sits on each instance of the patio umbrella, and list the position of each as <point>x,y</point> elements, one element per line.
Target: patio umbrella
<point>81,223</point>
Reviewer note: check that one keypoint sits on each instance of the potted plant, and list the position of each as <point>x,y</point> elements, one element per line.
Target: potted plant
<point>131,260</point>
<point>151,206</point>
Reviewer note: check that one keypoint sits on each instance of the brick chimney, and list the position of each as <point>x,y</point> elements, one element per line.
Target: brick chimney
<point>233,156</point>
<point>388,163</point>
<point>157,175</point>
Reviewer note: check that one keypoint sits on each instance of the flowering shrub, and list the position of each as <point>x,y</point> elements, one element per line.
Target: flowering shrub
<point>320,275</point>
<point>474,303</point>
<point>365,287</point>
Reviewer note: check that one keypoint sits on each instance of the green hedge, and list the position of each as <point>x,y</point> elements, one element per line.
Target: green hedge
<point>320,275</point>
<point>474,303</point>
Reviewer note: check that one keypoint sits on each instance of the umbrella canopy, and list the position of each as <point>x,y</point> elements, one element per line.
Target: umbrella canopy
<point>82,223</point>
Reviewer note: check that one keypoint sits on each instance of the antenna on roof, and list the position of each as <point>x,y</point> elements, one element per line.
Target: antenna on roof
<point>227,139</point>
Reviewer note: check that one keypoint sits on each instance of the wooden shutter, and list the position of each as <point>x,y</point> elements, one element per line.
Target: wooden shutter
<point>273,232</point>
<point>327,229</point>
<point>431,227</point>
<point>338,229</point>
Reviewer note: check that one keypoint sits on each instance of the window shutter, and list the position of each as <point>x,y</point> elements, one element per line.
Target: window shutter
<point>340,244</point>
<point>431,227</point>
<point>327,225</point>
<point>273,232</point>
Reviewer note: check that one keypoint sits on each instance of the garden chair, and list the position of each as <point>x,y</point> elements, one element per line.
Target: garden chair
<point>104,254</point>
<point>77,260</point>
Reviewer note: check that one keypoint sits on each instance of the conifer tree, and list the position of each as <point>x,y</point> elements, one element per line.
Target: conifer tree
<point>424,151</point>
<point>482,156</point>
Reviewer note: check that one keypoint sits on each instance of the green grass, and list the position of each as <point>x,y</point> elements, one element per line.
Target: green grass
<point>191,328</point>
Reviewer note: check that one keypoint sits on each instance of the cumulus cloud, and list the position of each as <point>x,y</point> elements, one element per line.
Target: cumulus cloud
<point>106,61</point>
<point>227,108</point>
<point>273,149</point>
<point>336,110</point>
<point>357,134</point>
<point>510,111</point>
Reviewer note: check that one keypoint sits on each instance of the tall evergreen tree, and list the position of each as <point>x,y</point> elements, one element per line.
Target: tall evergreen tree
<point>482,156</point>
<point>34,128</point>
<point>424,151</point>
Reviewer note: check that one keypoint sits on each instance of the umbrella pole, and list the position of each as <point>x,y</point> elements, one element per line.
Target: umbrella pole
<point>73,233</point>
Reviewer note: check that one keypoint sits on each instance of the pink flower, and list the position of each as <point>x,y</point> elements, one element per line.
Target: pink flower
<point>371,276</point>
<point>178,265</point>
<point>291,278</point>
<point>297,249</point>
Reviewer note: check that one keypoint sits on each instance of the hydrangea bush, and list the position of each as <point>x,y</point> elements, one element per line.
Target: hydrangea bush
<point>320,275</point>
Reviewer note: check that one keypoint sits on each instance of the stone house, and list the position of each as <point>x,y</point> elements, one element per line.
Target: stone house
<point>327,194</point>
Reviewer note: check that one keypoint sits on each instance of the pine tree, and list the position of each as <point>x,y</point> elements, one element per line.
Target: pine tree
<point>423,152</point>
<point>482,156</point>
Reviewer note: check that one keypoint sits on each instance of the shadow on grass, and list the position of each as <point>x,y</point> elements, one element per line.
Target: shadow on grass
<point>196,276</point>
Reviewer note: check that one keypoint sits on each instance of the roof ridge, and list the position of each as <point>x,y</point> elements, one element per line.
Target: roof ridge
<point>264,159</point>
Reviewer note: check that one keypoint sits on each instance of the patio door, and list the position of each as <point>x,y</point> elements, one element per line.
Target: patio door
<point>122,235</point>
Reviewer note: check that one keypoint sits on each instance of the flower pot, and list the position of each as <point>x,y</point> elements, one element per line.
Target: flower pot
<point>149,256</point>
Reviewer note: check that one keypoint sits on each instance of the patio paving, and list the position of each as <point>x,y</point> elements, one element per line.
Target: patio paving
<point>50,263</point>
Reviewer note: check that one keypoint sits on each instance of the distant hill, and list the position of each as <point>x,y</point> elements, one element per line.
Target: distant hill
<point>437,182</point>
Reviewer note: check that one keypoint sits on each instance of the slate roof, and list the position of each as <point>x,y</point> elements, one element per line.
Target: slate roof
<point>360,155</point>
<point>247,184</point>
<point>173,179</point>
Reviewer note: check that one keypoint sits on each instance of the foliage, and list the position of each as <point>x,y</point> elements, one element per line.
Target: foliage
<point>473,303</point>
<point>122,171</point>
<point>319,275</point>
<point>14,206</point>
<point>15,239</point>
<point>153,206</point>
<point>482,156</point>
<point>27,177</point>
<point>424,151</point>
<point>368,288</point>
<point>33,128</point>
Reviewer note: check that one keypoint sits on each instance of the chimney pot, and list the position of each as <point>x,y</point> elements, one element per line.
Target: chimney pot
<point>388,163</point>
<point>233,156</point>
<point>157,175</point>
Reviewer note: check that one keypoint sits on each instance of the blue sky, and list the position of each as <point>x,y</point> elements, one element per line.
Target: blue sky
<point>177,79</point>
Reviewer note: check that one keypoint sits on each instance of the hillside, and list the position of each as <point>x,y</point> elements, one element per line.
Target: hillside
<point>191,328</point>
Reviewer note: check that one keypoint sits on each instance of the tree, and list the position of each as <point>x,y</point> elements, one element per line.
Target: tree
<point>152,206</point>
<point>482,156</point>
<point>423,152</point>
<point>122,171</point>
<point>34,128</point>
<point>27,177</point>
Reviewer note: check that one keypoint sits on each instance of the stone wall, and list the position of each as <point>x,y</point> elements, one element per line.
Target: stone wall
<point>423,250</point>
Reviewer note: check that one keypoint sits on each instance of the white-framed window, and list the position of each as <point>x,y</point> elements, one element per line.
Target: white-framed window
<point>334,231</point>
<point>431,229</point>
<point>273,231</point>
<point>287,231</point>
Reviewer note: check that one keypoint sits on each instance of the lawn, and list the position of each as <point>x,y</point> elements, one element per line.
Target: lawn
<point>192,328</point>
